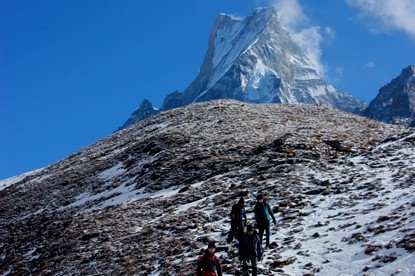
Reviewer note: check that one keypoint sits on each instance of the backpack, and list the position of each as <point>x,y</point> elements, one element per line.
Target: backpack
<point>209,263</point>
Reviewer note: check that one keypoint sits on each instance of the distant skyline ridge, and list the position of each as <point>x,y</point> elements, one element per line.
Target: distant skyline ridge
<point>254,59</point>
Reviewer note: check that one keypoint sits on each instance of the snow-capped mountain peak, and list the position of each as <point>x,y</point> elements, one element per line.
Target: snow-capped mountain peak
<point>254,59</point>
<point>232,36</point>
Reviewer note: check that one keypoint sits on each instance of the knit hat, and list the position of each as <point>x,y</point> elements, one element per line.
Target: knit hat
<point>259,196</point>
<point>211,245</point>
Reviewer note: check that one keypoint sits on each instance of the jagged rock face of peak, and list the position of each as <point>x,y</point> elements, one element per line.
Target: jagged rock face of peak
<point>229,38</point>
<point>148,198</point>
<point>254,59</point>
<point>395,102</point>
<point>408,71</point>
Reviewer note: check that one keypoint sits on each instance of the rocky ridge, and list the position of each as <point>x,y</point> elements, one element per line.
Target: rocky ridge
<point>146,200</point>
<point>395,102</point>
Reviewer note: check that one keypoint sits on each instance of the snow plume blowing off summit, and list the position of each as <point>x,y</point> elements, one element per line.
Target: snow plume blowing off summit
<point>292,17</point>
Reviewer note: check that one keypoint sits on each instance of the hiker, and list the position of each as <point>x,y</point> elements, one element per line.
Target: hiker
<point>209,263</point>
<point>250,249</point>
<point>238,220</point>
<point>263,215</point>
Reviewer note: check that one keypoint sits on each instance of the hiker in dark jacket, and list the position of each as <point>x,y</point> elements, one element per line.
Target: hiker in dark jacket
<point>238,219</point>
<point>209,263</point>
<point>263,215</point>
<point>250,249</point>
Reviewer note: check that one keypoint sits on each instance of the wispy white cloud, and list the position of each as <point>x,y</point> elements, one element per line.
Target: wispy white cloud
<point>311,39</point>
<point>330,34</point>
<point>369,65</point>
<point>392,14</point>
<point>290,13</point>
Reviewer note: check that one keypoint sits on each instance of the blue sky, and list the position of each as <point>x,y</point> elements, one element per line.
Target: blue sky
<point>72,71</point>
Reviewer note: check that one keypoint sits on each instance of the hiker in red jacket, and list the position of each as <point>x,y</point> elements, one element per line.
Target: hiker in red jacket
<point>209,263</point>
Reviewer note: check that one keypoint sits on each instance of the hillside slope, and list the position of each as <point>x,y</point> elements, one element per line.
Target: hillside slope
<point>146,200</point>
